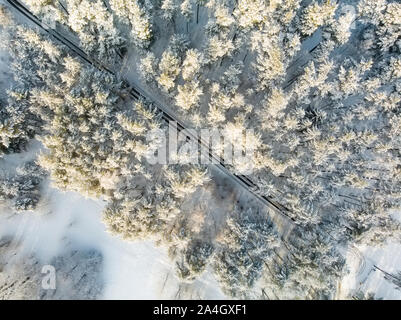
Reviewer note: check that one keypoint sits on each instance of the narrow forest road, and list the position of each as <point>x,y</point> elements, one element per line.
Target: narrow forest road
<point>167,115</point>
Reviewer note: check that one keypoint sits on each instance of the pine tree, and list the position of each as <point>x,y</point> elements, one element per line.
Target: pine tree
<point>96,29</point>
<point>316,15</point>
<point>138,18</point>
<point>188,95</point>
<point>191,64</point>
<point>22,191</point>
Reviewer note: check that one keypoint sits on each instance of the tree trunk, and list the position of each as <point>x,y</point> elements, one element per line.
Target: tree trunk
<point>62,6</point>
<point>173,21</point>
<point>246,55</point>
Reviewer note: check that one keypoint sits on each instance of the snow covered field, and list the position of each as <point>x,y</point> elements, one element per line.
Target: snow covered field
<point>68,221</point>
<point>363,275</point>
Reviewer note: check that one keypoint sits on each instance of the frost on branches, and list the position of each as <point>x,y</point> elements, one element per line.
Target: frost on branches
<point>317,83</point>
<point>22,191</point>
<point>96,142</point>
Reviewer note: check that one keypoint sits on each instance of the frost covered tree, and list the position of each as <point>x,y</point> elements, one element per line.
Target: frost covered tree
<point>169,8</point>
<point>188,95</point>
<point>50,10</point>
<point>218,48</point>
<point>22,191</point>
<point>96,142</point>
<point>326,126</point>
<point>194,259</point>
<point>270,66</point>
<point>136,15</point>
<point>5,17</point>
<point>385,18</point>
<point>169,68</point>
<point>192,64</point>
<point>186,8</point>
<point>170,63</point>
<point>316,15</point>
<point>92,22</point>
<point>96,29</point>
<point>342,26</point>
<point>250,13</point>
<point>245,247</point>
<point>223,17</point>
<point>148,67</point>
<point>17,124</point>
<point>153,210</point>
<point>321,97</point>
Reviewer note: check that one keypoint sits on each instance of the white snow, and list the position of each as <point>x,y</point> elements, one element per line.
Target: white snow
<point>365,277</point>
<point>132,270</point>
<point>141,270</point>
<point>67,220</point>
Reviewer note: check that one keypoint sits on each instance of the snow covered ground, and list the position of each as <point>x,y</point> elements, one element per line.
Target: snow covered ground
<point>365,277</point>
<point>68,221</point>
<point>141,270</point>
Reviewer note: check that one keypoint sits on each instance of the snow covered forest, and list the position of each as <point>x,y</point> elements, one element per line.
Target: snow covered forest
<point>316,82</point>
